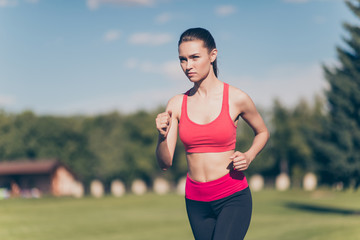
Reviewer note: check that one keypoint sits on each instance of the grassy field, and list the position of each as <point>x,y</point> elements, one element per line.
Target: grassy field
<point>291,215</point>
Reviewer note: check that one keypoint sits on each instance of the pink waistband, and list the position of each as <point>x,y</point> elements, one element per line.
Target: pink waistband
<point>213,190</point>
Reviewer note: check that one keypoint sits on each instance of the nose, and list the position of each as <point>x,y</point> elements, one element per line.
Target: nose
<point>188,65</point>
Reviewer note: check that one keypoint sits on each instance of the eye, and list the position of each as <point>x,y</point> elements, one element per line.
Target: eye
<point>182,59</point>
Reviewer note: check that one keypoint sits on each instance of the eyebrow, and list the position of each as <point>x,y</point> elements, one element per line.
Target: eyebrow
<point>190,55</point>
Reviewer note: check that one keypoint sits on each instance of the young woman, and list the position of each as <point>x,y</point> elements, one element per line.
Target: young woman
<point>218,199</point>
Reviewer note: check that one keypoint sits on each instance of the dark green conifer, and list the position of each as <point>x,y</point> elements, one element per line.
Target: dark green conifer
<point>339,148</point>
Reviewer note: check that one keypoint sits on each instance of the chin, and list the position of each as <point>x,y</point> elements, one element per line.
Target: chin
<point>194,80</point>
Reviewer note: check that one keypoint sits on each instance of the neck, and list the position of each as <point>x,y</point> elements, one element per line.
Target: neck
<point>207,86</point>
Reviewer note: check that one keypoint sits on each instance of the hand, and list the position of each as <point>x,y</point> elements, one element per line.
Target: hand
<point>163,123</point>
<point>241,162</point>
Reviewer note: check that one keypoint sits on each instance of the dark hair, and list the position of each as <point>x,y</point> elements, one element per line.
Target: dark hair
<point>200,34</point>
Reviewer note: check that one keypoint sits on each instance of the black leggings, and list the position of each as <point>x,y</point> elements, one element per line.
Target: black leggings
<point>224,219</point>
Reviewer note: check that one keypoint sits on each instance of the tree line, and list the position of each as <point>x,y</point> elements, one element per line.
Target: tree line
<point>122,146</point>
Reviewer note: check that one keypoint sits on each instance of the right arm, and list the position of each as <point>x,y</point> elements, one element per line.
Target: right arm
<point>167,126</point>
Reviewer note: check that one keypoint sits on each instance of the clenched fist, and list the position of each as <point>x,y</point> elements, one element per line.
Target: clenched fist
<point>163,123</point>
<point>241,162</point>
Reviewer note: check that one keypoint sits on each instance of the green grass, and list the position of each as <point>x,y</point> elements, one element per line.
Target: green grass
<point>292,215</point>
<point>295,215</point>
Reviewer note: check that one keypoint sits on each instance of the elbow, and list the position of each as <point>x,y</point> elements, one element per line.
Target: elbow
<point>165,166</point>
<point>266,132</point>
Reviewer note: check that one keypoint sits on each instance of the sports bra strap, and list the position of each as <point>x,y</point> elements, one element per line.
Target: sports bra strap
<point>225,102</point>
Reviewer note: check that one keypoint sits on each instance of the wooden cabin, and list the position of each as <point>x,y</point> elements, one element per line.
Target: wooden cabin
<point>48,176</point>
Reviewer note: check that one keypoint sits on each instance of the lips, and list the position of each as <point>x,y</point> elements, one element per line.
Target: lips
<point>190,74</point>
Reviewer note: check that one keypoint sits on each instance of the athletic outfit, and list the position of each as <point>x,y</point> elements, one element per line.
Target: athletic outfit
<point>219,209</point>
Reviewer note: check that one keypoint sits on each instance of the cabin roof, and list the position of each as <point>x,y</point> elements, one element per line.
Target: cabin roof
<point>43,166</point>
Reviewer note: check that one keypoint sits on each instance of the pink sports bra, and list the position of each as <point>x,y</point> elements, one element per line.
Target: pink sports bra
<point>216,136</point>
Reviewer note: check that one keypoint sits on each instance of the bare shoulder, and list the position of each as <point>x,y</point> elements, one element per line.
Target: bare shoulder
<point>174,104</point>
<point>238,96</point>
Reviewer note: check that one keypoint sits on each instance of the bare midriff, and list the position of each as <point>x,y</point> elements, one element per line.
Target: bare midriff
<point>205,167</point>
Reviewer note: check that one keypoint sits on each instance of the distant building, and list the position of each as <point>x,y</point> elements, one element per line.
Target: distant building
<point>27,178</point>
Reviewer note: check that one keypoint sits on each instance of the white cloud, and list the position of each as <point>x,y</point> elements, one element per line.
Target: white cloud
<point>112,35</point>
<point>163,18</point>
<point>8,3</point>
<point>14,3</point>
<point>225,10</point>
<point>289,83</point>
<point>169,69</point>
<point>150,39</point>
<point>95,4</point>
<point>6,100</point>
<point>131,63</point>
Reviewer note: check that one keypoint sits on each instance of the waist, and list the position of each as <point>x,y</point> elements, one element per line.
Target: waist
<point>222,187</point>
<point>204,167</point>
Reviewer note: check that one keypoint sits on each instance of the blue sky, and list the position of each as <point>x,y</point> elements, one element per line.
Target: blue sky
<point>69,57</point>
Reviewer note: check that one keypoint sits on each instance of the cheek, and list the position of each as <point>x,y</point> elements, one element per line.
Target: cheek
<point>204,65</point>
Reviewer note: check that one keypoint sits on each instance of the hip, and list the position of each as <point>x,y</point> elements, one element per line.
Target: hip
<point>222,187</point>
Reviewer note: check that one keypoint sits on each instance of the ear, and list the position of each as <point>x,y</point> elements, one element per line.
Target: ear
<point>213,55</point>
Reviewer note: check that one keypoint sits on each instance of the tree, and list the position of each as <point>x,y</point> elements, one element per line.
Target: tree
<point>292,133</point>
<point>107,137</point>
<point>281,135</point>
<point>264,163</point>
<point>139,148</point>
<point>338,149</point>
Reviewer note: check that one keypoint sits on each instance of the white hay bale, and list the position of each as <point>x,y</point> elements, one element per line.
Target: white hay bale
<point>78,189</point>
<point>97,189</point>
<point>4,193</point>
<point>117,188</point>
<point>161,186</point>
<point>339,186</point>
<point>256,183</point>
<point>35,193</point>
<point>138,187</point>
<point>180,189</point>
<point>282,182</point>
<point>309,182</point>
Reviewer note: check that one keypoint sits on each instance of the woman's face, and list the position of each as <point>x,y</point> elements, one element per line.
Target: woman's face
<point>195,59</point>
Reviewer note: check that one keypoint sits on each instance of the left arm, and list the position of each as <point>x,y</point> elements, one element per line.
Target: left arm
<point>249,113</point>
